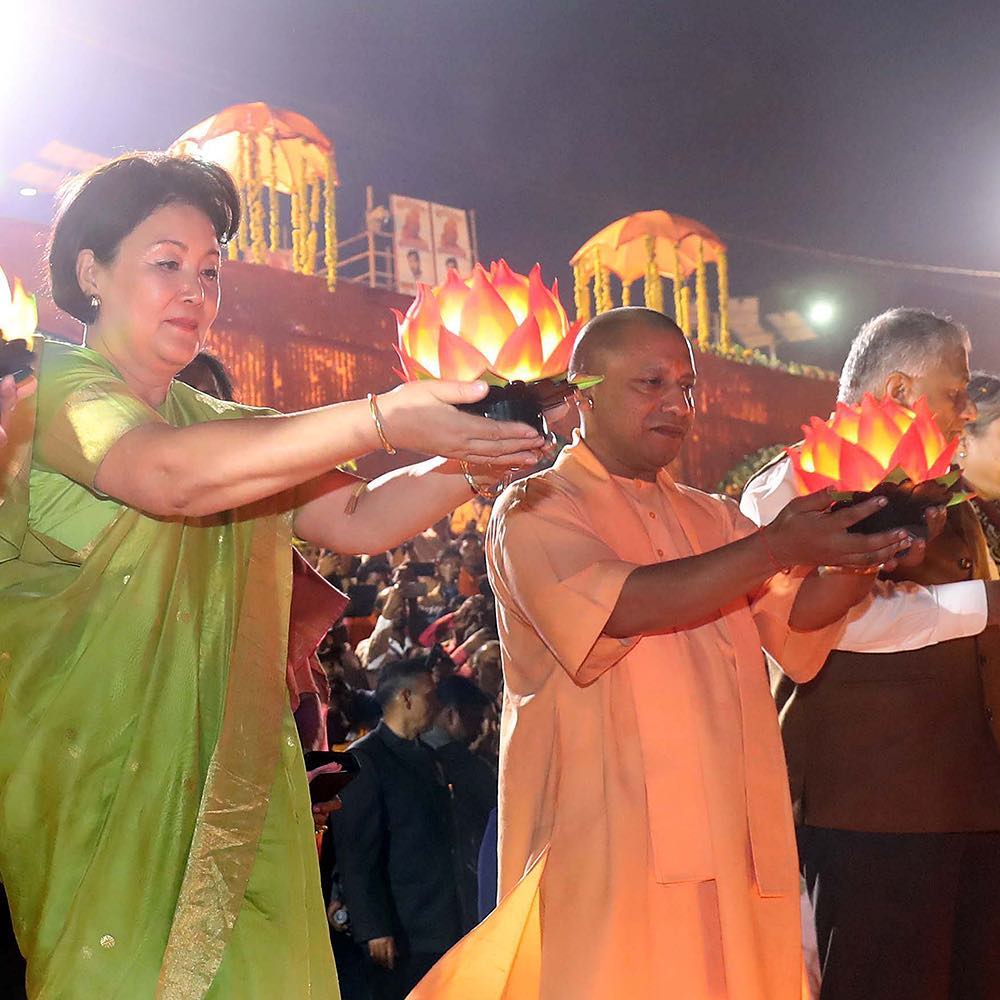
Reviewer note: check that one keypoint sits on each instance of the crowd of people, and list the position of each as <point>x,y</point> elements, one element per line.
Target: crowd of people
<point>411,681</point>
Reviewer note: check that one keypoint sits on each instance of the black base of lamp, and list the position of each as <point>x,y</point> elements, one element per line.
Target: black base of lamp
<point>16,359</point>
<point>905,509</point>
<point>524,402</point>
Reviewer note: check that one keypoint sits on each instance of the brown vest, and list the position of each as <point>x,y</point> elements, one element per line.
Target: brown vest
<point>903,742</point>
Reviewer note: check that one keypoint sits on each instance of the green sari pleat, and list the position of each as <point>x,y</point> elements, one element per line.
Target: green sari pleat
<point>155,828</point>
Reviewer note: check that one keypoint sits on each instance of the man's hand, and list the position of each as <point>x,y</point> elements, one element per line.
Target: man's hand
<point>383,951</point>
<point>10,395</point>
<point>808,533</point>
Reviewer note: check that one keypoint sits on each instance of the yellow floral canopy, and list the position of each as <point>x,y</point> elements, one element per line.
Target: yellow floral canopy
<point>652,245</point>
<point>285,154</point>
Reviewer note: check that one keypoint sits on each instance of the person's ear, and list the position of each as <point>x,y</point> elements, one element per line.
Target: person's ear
<point>86,273</point>
<point>899,386</point>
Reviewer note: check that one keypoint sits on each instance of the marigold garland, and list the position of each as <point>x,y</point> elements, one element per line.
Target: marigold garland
<point>722,266</point>
<point>330,227</point>
<point>701,291</point>
<point>273,201</point>
<point>677,288</point>
<point>581,293</point>
<point>255,197</point>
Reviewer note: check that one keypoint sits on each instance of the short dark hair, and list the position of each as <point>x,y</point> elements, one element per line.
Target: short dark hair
<point>215,368</point>
<point>984,391</point>
<point>898,340</point>
<point>462,693</point>
<point>398,675</point>
<point>97,210</point>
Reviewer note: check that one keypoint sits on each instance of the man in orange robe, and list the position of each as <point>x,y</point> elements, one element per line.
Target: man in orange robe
<point>643,787</point>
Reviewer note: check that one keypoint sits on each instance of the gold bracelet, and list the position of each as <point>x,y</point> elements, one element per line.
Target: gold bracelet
<point>358,492</point>
<point>478,490</point>
<point>377,420</point>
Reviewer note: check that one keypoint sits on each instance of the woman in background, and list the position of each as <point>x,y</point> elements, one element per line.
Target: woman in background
<point>979,454</point>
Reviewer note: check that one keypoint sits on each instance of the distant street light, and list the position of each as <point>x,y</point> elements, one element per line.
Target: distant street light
<point>821,312</point>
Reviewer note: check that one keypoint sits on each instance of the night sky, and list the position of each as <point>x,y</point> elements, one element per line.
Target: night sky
<point>867,128</point>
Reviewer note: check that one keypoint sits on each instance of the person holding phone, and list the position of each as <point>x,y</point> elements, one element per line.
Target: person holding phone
<point>145,583</point>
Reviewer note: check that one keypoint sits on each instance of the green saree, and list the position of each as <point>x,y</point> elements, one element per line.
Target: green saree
<point>155,827</point>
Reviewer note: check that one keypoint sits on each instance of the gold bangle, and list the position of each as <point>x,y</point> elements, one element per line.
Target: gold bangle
<point>357,493</point>
<point>478,490</point>
<point>377,420</point>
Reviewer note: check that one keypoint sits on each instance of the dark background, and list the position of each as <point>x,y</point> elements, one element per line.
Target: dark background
<point>866,128</point>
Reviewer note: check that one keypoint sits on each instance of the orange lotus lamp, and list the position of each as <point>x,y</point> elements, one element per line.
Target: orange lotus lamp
<point>18,322</point>
<point>879,447</point>
<point>500,326</point>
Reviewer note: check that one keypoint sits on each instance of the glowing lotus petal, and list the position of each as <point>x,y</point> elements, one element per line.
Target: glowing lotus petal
<point>458,359</point>
<point>558,361</point>
<point>942,465</point>
<point>930,433</point>
<point>909,455</point>
<point>418,330</point>
<point>520,357</point>
<point>846,422</point>
<point>501,322</point>
<point>545,309</point>
<point>878,434</point>
<point>20,319</point>
<point>860,446</point>
<point>512,288</point>
<point>413,370</point>
<point>808,482</point>
<point>563,318</point>
<point>859,470</point>
<point>486,320</point>
<point>824,448</point>
<point>451,296</point>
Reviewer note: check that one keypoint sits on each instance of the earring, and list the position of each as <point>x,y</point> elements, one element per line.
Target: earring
<point>963,453</point>
<point>95,302</point>
<point>590,402</point>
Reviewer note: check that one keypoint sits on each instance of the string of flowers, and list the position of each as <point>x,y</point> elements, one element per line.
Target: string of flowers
<point>330,227</point>
<point>748,356</point>
<point>312,240</point>
<point>701,290</point>
<point>581,293</point>
<point>677,288</point>
<point>273,202</point>
<point>255,197</point>
<point>722,267</point>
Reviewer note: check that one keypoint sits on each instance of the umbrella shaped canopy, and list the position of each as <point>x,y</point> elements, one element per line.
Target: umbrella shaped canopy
<point>623,249</point>
<point>297,146</point>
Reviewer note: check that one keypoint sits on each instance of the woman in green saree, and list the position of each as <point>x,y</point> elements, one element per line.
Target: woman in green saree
<point>156,838</point>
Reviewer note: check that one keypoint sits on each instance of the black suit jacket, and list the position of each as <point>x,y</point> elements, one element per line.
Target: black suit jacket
<point>395,846</point>
<point>474,795</point>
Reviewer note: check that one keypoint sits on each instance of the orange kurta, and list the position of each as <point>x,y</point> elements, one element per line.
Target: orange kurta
<point>650,768</point>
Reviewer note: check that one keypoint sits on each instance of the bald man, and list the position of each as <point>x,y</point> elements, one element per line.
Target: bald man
<point>643,788</point>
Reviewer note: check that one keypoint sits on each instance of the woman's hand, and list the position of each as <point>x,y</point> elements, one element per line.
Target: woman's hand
<point>421,416</point>
<point>10,395</point>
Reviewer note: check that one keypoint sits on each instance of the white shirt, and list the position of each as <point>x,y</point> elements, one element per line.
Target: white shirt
<point>897,616</point>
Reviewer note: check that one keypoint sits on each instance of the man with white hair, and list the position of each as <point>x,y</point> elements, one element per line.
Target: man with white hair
<point>892,749</point>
